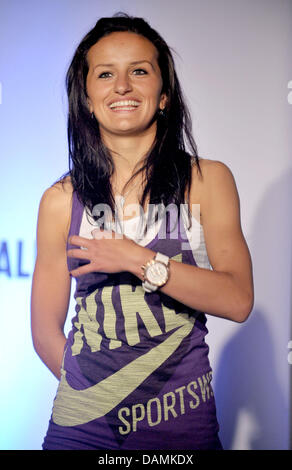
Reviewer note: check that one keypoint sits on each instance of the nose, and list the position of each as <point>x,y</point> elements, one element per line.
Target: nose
<point>123,84</point>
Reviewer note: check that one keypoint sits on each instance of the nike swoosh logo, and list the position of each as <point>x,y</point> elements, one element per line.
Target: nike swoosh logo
<point>74,407</point>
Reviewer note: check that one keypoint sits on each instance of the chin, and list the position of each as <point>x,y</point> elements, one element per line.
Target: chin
<point>125,129</point>
<point>134,131</point>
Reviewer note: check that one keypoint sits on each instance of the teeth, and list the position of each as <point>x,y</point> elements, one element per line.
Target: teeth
<point>124,103</point>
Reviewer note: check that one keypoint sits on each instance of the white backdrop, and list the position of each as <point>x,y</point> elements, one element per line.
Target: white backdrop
<point>234,62</point>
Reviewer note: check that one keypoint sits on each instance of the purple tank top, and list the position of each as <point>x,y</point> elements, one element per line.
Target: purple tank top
<point>135,371</point>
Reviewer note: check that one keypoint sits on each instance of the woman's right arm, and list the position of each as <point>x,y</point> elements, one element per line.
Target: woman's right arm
<point>51,283</point>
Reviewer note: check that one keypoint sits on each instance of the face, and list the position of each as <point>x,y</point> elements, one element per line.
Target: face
<point>124,84</point>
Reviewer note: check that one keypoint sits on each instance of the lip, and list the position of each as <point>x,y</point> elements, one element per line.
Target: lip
<point>117,100</point>
<point>124,109</point>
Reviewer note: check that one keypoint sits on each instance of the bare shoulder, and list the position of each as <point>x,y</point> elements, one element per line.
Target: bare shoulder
<point>211,169</point>
<point>55,205</point>
<point>215,180</point>
<point>219,181</point>
<point>58,195</point>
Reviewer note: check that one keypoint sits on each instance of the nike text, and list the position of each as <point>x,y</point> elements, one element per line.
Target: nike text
<point>169,406</point>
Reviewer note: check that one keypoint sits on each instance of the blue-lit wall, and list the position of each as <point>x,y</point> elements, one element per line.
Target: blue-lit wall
<point>234,61</point>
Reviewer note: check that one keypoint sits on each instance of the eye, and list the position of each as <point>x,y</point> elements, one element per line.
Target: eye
<point>140,72</point>
<point>105,75</point>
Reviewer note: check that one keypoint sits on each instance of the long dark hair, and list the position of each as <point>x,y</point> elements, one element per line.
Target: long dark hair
<point>168,166</point>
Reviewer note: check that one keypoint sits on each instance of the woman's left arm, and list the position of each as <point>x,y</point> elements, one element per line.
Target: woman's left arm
<point>227,290</point>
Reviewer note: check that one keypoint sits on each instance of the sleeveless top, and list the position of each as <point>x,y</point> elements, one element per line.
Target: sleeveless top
<point>135,372</point>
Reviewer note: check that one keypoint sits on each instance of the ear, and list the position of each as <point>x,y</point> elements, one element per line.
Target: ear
<point>163,101</point>
<point>90,107</point>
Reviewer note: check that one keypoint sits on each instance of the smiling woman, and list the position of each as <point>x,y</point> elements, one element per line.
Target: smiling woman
<point>125,95</point>
<point>134,371</point>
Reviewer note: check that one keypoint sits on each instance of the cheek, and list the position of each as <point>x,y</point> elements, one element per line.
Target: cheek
<point>95,90</point>
<point>158,90</point>
<point>153,92</point>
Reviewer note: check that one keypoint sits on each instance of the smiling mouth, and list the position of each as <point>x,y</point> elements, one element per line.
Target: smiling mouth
<point>125,105</point>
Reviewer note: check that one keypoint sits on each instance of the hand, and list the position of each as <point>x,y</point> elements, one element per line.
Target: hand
<point>107,252</point>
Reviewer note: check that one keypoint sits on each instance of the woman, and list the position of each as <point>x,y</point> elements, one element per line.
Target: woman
<point>134,371</point>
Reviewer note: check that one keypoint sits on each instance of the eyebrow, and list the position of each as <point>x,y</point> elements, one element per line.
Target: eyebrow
<point>132,63</point>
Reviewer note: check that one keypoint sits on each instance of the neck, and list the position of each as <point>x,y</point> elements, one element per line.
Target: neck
<point>128,152</point>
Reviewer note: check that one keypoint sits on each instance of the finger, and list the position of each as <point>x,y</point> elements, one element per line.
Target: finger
<point>81,254</point>
<point>79,241</point>
<point>86,269</point>
<point>108,234</point>
<point>98,234</point>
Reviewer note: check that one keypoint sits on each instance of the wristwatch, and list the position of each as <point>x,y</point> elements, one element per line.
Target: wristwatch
<point>155,272</point>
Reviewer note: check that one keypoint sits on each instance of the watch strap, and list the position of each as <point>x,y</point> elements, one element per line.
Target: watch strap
<point>149,287</point>
<point>161,257</point>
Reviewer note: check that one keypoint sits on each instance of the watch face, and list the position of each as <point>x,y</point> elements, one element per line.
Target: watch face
<point>157,273</point>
